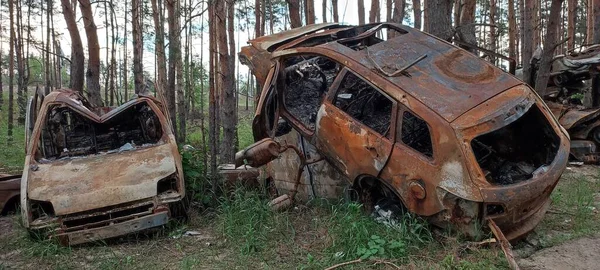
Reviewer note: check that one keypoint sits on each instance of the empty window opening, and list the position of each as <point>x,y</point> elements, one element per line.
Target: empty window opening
<point>307,79</point>
<point>513,153</point>
<point>364,103</point>
<point>384,33</point>
<point>415,134</point>
<point>67,133</point>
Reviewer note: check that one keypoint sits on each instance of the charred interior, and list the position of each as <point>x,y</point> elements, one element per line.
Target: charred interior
<point>364,103</point>
<point>513,153</point>
<point>67,133</point>
<point>307,79</point>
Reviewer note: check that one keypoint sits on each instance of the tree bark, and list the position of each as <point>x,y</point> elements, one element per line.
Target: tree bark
<point>417,13</point>
<point>374,11</point>
<point>93,70</point>
<point>572,21</point>
<point>257,19</point>
<point>309,7</point>
<point>137,32</point>
<point>590,22</point>
<point>361,12</point>
<point>334,6</point>
<point>550,44</point>
<point>174,52</point>
<point>596,24</point>
<point>466,30</point>
<point>21,77</point>
<point>512,30</point>
<point>11,70</point>
<point>213,124</point>
<point>528,29</point>
<point>324,10</point>
<point>159,48</point>
<point>226,61</point>
<point>294,10</point>
<point>492,32</point>
<point>439,22</point>
<point>77,57</point>
<point>125,56</point>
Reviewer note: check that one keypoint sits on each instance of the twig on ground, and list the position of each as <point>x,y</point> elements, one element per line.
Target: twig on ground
<point>387,263</point>
<point>344,264</point>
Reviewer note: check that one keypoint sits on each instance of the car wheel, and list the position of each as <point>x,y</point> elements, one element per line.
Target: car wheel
<point>560,79</point>
<point>595,135</point>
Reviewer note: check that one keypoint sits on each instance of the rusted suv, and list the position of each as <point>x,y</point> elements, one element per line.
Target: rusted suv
<point>96,173</point>
<point>403,116</point>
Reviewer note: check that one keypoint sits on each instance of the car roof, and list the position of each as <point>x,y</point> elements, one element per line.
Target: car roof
<point>447,79</point>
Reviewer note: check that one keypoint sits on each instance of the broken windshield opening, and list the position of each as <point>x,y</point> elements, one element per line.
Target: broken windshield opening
<point>384,33</point>
<point>307,79</point>
<point>67,133</point>
<point>513,153</point>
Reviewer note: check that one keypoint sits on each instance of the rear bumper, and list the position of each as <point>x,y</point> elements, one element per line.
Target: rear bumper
<point>114,230</point>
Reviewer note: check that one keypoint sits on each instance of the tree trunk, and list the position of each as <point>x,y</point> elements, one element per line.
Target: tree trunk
<point>417,13</point>
<point>213,124</point>
<point>137,32</point>
<point>398,11</point>
<point>550,44</point>
<point>11,70</point>
<point>93,70</point>
<point>125,56</point>
<point>374,11</point>
<point>596,24</point>
<point>528,29</point>
<point>21,83</point>
<point>466,29</point>
<point>159,47</point>
<point>226,62</point>
<point>512,30</point>
<point>309,9</point>
<point>493,29</point>
<point>572,21</point>
<point>334,6</point>
<point>175,40</point>
<point>439,22</point>
<point>47,62</point>
<point>537,26</point>
<point>324,9</point>
<point>174,51</point>
<point>361,12</point>
<point>257,19</point>
<point>590,22</point>
<point>294,10</point>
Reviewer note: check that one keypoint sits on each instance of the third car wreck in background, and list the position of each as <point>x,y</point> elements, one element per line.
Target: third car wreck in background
<point>396,117</point>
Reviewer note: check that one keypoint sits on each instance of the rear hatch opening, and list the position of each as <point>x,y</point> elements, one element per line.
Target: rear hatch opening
<point>514,152</point>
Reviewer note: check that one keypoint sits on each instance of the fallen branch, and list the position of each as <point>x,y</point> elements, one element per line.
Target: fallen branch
<point>344,264</point>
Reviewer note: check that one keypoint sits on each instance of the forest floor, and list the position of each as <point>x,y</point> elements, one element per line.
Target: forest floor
<point>241,232</point>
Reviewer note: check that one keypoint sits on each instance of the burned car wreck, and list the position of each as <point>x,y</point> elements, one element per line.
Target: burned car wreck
<point>96,173</point>
<point>387,114</point>
<point>10,188</point>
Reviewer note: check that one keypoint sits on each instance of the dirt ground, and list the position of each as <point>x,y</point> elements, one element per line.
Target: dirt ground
<point>205,248</point>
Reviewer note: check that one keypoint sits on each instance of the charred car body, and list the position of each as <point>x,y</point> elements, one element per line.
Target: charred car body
<point>96,173</point>
<point>401,115</point>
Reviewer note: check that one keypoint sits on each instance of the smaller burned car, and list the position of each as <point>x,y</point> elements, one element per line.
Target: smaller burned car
<point>10,186</point>
<point>96,173</point>
<point>408,119</point>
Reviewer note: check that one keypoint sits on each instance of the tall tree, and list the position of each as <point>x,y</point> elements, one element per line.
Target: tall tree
<point>137,32</point>
<point>528,29</point>
<point>590,21</point>
<point>257,18</point>
<point>512,30</point>
<point>159,47</point>
<point>550,44</point>
<point>175,40</point>
<point>374,12</point>
<point>77,57</point>
<point>226,61</point>
<point>213,104</point>
<point>294,11</point>
<point>572,21</point>
<point>11,69</point>
<point>334,7</point>
<point>596,24</point>
<point>324,10</point>
<point>21,75</point>
<point>492,30</point>
<point>174,52</point>
<point>125,54</point>
<point>438,18</point>
<point>93,70</point>
<point>399,6</point>
<point>466,28</point>
<point>417,13</point>
<point>361,12</point>
<point>309,11</point>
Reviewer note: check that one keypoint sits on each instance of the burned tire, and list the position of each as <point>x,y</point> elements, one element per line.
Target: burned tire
<point>560,79</point>
<point>595,135</point>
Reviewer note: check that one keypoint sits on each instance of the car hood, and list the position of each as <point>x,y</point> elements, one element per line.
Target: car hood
<point>92,182</point>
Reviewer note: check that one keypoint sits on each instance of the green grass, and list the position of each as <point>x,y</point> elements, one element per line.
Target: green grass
<point>12,153</point>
